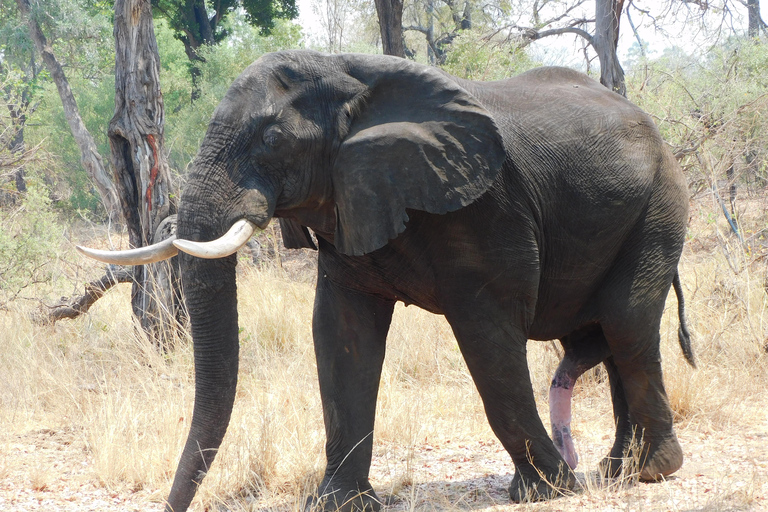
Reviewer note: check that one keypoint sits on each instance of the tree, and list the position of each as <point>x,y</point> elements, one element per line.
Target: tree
<point>390,14</point>
<point>452,17</point>
<point>14,153</point>
<point>12,136</point>
<point>755,22</point>
<point>89,154</point>
<point>603,41</point>
<point>606,40</point>
<point>138,157</point>
<point>196,23</point>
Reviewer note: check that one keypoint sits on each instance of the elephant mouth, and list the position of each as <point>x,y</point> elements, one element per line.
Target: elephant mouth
<point>227,244</point>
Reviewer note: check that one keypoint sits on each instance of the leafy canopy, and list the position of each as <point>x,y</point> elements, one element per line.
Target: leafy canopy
<point>196,23</point>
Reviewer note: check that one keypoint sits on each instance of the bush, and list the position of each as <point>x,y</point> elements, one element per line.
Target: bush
<point>476,57</point>
<point>710,109</point>
<point>29,241</point>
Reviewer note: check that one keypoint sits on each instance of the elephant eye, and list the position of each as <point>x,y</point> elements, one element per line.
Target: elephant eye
<point>272,136</point>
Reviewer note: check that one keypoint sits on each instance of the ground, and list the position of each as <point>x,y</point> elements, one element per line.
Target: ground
<point>51,470</point>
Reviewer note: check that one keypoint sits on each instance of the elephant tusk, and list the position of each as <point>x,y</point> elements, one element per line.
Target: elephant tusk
<point>227,244</point>
<point>139,256</point>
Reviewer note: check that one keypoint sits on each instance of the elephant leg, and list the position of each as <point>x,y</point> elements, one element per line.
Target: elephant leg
<point>350,332</point>
<point>496,358</point>
<point>583,349</point>
<point>611,465</point>
<point>633,303</point>
<point>651,417</point>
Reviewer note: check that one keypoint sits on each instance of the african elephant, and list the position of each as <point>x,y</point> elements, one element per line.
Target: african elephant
<point>538,207</point>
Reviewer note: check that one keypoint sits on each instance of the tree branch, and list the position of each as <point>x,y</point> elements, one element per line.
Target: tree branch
<point>93,292</point>
<point>533,35</point>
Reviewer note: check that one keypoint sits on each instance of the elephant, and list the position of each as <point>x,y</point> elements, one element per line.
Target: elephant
<point>539,207</point>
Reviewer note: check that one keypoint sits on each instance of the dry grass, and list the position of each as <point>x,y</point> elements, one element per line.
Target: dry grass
<point>129,406</point>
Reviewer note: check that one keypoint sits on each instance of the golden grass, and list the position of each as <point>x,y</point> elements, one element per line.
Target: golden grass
<point>131,405</point>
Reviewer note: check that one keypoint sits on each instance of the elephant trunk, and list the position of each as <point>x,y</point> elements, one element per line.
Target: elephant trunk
<point>211,296</point>
<point>209,206</point>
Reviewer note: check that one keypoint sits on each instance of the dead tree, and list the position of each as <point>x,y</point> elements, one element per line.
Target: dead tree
<point>603,40</point>
<point>138,157</point>
<point>74,307</point>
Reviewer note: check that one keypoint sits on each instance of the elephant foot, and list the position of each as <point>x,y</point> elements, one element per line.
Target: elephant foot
<point>611,467</point>
<point>654,463</point>
<point>662,460</point>
<point>523,489</point>
<point>332,498</point>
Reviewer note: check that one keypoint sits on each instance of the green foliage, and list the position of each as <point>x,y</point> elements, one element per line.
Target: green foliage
<point>711,108</point>
<point>96,103</point>
<point>476,57</point>
<point>264,13</point>
<point>80,32</point>
<point>175,81</point>
<point>196,24</point>
<point>29,241</point>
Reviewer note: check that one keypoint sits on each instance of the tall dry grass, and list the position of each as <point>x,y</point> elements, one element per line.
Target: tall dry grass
<point>101,379</point>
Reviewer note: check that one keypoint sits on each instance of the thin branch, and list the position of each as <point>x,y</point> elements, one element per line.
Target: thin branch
<point>634,30</point>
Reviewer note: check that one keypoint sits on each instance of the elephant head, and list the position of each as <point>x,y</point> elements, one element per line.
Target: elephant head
<point>341,144</point>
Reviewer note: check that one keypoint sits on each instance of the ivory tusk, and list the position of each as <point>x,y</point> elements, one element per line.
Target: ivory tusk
<point>139,256</point>
<point>227,244</point>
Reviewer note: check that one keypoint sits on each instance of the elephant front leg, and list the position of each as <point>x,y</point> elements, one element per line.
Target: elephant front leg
<point>496,358</point>
<point>350,332</point>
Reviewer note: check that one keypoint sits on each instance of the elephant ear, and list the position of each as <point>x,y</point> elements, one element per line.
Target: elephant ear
<point>416,140</point>
<point>295,236</point>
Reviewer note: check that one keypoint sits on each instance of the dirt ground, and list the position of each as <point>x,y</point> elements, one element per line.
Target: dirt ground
<point>50,470</point>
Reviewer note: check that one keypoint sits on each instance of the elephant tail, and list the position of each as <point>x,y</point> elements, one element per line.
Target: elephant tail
<point>683,334</point>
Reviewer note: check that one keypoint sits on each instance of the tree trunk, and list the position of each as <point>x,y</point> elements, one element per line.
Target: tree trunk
<point>605,41</point>
<point>138,157</point>
<point>18,115</point>
<point>89,154</point>
<point>756,23</point>
<point>390,13</point>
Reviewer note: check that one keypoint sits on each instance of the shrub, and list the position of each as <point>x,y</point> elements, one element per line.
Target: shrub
<point>29,241</point>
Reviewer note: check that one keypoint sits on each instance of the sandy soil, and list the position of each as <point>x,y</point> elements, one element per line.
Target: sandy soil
<point>50,470</point>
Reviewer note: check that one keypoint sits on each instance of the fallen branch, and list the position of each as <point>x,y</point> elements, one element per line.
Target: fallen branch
<point>93,292</point>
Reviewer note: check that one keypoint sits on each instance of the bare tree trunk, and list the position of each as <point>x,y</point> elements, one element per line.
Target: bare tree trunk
<point>755,22</point>
<point>89,154</point>
<point>605,41</point>
<point>137,155</point>
<point>390,13</point>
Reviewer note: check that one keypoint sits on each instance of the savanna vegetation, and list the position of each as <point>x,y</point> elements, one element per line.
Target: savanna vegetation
<point>94,414</point>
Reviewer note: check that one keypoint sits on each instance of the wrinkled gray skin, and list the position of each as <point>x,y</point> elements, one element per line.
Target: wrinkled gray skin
<point>532,208</point>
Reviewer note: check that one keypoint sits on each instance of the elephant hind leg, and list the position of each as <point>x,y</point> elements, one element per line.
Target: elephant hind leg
<point>640,401</point>
<point>635,371</point>
<point>584,349</point>
<point>630,304</point>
